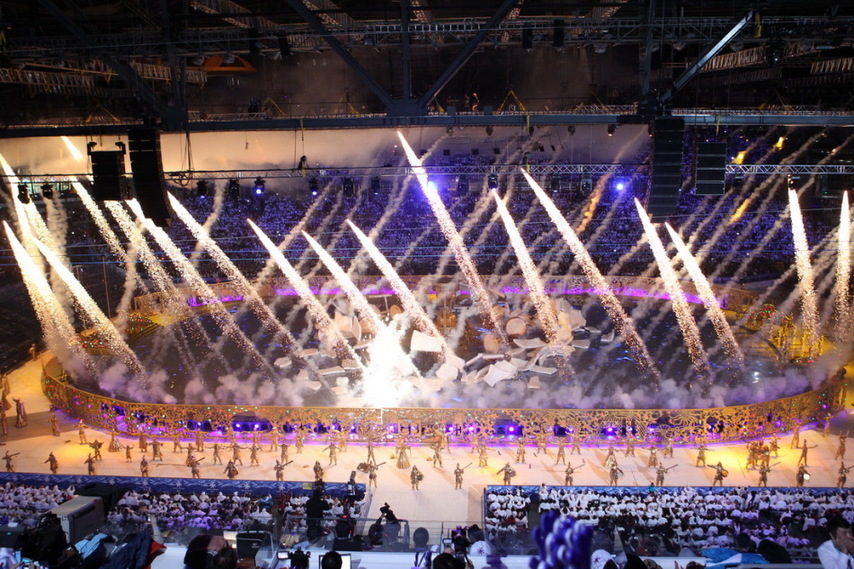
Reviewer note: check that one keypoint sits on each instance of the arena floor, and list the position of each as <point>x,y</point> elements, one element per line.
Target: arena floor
<point>436,501</point>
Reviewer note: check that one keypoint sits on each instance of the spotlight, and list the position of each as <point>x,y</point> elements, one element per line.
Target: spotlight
<point>201,188</point>
<point>586,185</point>
<point>23,193</point>
<point>555,184</point>
<point>258,185</point>
<point>612,128</point>
<point>312,186</point>
<point>492,181</point>
<point>47,191</point>
<point>621,184</point>
<point>780,143</point>
<point>233,189</point>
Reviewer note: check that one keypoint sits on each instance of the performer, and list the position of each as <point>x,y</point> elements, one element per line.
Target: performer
<point>96,446</point>
<point>720,474</point>
<point>143,441</point>
<point>701,455</point>
<point>235,454</point>
<point>802,475</point>
<point>415,477</point>
<point>437,454</point>
<point>194,467</point>
<point>156,449</point>
<point>81,432</point>
<point>4,422</point>
<point>458,476</point>
<point>615,473</point>
<point>176,440</point>
<point>143,467</point>
<point>20,413</point>
<point>520,450</point>
<point>231,470</point>
<point>318,471</point>
<point>576,445</point>
<point>283,449</point>
<point>561,451</point>
<point>763,476</point>
<point>804,450</point>
<point>90,463</point>
<point>668,448</point>
<point>402,458</point>
<point>660,471</point>
<point>569,472</point>
<point>280,470</point>
<point>10,466</point>
<point>542,442</point>
<point>253,455</point>
<point>128,457</point>
<point>372,473</point>
<point>341,438</point>
<point>200,441</point>
<point>796,435</point>
<point>115,445</point>
<point>216,458</point>
<point>774,445</point>
<point>299,439</point>
<point>843,476</point>
<point>53,464</point>
<point>54,424</point>
<point>371,458</point>
<point>333,453</point>
<point>653,456</point>
<point>840,451</point>
<point>190,456</point>
<point>509,473</point>
<point>630,446</point>
<point>481,457</point>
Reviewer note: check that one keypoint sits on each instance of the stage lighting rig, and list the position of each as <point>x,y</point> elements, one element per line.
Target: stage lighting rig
<point>233,189</point>
<point>23,193</point>
<point>259,185</point>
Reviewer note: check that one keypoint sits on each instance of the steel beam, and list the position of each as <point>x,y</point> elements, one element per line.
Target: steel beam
<point>312,20</point>
<point>122,69</point>
<point>405,54</point>
<point>715,49</point>
<point>259,122</point>
<point>467,52</point>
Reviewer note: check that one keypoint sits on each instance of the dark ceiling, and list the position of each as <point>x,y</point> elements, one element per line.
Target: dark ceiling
<point>94,63</point>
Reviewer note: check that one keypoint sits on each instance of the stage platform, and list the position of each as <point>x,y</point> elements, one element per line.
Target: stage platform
<point>436,503</point>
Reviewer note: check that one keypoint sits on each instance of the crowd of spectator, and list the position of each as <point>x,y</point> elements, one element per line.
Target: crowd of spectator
<point>681,519</point>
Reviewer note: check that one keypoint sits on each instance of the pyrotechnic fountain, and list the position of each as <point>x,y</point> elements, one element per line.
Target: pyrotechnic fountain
<point>809,303</point>
<point>680,306</point>
<point>842,316</point>
<point>450,232</point>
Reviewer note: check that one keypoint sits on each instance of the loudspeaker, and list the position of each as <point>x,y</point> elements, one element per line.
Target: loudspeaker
<point>108,174</point>
<point>665,180</point>
<point>710,171</point>
<point>147,169</point>
<point>527,39</point>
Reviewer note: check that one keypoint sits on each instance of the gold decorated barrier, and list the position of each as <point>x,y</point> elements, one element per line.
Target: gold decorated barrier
<point>682,425</point>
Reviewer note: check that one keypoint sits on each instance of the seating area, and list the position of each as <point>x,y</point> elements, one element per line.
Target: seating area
<point>679,518</point>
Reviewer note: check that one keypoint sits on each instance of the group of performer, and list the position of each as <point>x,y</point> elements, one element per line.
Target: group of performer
<point>541,442</point>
